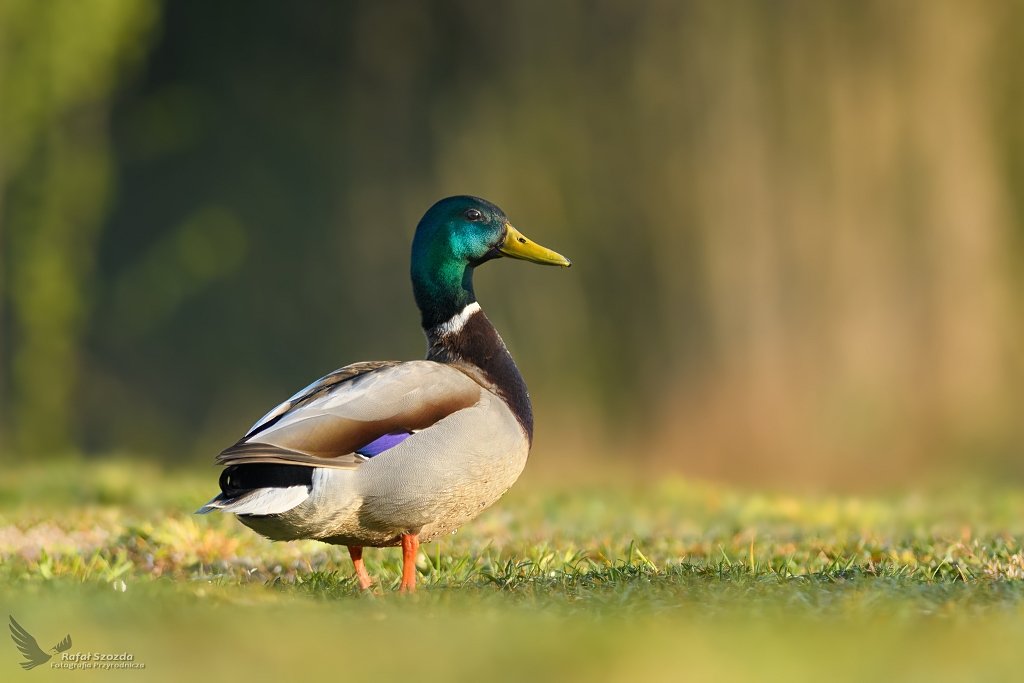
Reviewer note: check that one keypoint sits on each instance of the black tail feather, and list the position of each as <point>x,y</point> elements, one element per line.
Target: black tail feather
<point>239,479</point>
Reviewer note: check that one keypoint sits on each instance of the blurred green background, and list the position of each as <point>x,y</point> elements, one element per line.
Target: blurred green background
<point>797,228</point>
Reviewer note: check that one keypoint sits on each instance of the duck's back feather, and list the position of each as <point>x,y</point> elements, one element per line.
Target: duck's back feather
<point>328,422</point>
<point>315,390</point>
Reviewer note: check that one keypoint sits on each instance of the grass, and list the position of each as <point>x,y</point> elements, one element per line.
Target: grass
<point>669,579</point>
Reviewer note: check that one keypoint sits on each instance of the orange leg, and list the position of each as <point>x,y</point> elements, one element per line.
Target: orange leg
<point>410,548</point>
<point>356,552</point>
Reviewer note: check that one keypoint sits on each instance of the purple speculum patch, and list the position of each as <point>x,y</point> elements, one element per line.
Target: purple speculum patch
<point>383,443</point>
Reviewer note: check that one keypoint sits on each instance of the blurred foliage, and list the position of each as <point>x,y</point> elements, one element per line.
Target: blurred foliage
<point>795,227</point>
<point>58,66</point>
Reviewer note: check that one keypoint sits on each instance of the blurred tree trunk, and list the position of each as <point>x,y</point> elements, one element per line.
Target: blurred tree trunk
<point>59,62</point>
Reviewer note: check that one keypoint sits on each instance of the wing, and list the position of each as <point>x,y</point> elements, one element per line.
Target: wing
<point>28,646</point>
<point>315,390</point>
<point>340,420</point>
<point>64,644</point>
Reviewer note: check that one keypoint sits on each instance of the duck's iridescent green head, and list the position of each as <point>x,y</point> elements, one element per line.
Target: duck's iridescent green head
<point>453,237</point>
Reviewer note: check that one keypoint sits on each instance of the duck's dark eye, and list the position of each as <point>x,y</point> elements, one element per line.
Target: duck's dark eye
<point>474,215</point>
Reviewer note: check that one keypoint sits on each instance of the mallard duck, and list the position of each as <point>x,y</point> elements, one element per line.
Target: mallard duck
<point>386,453</point>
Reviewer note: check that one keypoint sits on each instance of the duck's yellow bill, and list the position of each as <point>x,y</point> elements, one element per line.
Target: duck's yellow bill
<point>517,246</point>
